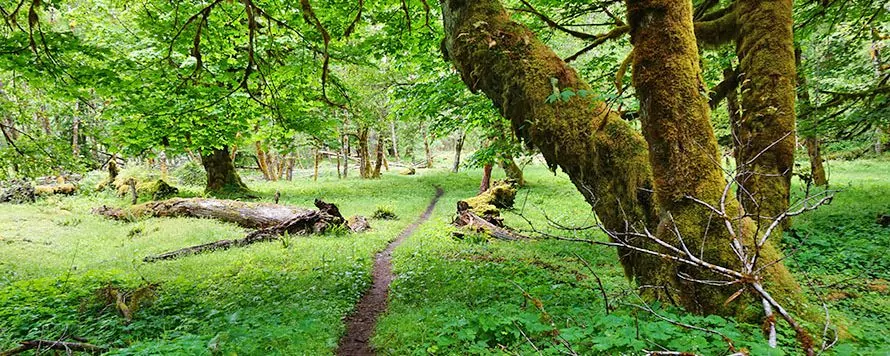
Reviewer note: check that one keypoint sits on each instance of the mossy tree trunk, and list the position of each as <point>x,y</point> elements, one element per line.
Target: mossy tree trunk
<point>512,170</point>
<point>766,141</point>
<point>221,175</point>
<point>684,158</point>
<point>603,155</point>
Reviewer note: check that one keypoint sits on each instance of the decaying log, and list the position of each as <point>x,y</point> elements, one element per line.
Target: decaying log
<point>52,189</point>
<point>487,204</point>
<point>271,220</point>
<point>468,220</point>
<point>481,213</point>
<point>305,223</point>
<point>41,345</point>
<point>249,215</point>
<point>19,192</point>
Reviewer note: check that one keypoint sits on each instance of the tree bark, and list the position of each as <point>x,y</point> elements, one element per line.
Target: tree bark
<point>486,178</point>
<point>378,163</point>
<point>603,155</point>
<point>426,147</point>
<point>261,160</point>
<point>222,178</point>
<point>457,149</point>
<point>512,170</point>
<point>345,149</point>
<point>685,161</point>
<point>765,156</point>
<point>315,174</point>
<point>364,154</point>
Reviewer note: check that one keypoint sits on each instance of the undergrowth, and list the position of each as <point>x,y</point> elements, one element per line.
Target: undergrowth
<point>470,296</point>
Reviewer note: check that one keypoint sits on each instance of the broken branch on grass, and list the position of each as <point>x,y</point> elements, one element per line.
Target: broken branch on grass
<point>65,346</point>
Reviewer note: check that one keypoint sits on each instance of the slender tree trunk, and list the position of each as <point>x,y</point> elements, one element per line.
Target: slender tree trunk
<point>512,170</point>
<point>811,138</point>
<point>339,163</point>
<point>234,152</point>
<point>193,157</point>
<point>315,175</point>
<point>162,160</point>
<point>486,178</point>
<point>395,144</point>
<point>602,154</point>
<point>290,168</point>
<point>684,159</point>
<point>222,178</point>
<point>878,63</point>
<point>75,136</point>
<point>765,156</point>
<point>426,147</point>
<point>457,150</point>
<point>261,160</point>
<point>344,148</point>
<point>379,162</point>
<point>364,155</point>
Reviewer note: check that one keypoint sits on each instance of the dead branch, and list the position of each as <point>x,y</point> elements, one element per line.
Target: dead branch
<point>67,347</point>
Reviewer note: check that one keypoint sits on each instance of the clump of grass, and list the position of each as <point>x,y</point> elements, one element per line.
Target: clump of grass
<point>385,212</point>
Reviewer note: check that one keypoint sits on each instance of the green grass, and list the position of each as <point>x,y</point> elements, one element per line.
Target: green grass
<point>450,297</point>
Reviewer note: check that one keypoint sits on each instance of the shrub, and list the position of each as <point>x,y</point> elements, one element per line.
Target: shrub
<point>190,173</point>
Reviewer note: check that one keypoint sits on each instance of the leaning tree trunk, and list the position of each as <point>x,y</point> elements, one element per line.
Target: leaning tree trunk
<point>603,155</point>
<point>765,156</point>
<point>512,170</point>
<point>222,178</point>
<point>458,147</point>
<point>685,161</point>
<point>811,138</point>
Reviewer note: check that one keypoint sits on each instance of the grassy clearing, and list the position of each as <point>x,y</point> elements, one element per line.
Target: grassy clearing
<point>279,297</point>
<point>450,297</point>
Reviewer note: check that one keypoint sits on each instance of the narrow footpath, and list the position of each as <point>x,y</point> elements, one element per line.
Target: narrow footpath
<point>361,323</point>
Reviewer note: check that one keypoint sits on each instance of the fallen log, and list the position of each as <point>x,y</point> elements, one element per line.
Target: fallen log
<point>19,192</point>
<point>52,189</point>
<point>481,214</point>
<point>468,220</point>
<point>41,345</point>
<point>299,222</point>
<point>249,215</point>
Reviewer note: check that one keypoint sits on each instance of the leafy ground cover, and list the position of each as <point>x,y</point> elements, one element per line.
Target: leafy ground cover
<point>451,296</point>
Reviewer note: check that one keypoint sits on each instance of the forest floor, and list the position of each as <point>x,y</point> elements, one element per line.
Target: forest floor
<point>59,263</point>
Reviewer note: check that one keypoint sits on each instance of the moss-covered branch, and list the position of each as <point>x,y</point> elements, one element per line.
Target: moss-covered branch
<point>604,156</point>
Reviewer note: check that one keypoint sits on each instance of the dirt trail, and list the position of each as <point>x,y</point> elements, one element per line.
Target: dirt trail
<point>361,323</point>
